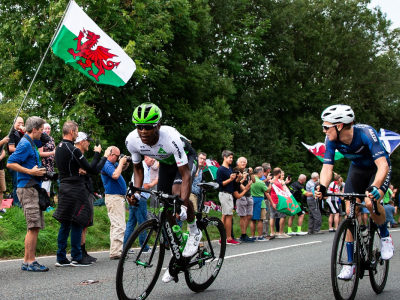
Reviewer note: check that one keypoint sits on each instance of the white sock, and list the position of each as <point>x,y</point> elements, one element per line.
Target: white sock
<point>193,228</point>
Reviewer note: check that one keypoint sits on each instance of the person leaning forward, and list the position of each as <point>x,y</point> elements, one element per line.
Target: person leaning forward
<point>115,187</point>
<point>74,211</point>
<point>25,162</point>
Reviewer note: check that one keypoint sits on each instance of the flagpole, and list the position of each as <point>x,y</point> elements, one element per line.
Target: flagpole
<point>37,71</point>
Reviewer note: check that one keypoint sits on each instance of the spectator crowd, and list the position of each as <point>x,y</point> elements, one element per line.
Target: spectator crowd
<point>250,192</point>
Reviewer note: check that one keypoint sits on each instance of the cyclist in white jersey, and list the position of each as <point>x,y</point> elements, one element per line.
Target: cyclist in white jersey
<point>178,161</point>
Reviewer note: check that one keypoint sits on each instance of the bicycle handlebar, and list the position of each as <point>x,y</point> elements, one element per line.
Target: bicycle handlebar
<point>156,193</point>
<point>349,195</point>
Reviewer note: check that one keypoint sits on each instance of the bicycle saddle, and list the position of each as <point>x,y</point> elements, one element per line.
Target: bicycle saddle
<point>209,185</point>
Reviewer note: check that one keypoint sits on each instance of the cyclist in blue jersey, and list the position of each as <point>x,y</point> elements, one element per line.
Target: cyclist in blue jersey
<point>370,170</point>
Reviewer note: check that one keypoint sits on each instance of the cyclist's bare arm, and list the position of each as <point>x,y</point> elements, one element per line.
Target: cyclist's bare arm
<point>138,172</point>
<point>383,170</point>
<point>184,190</point>
<point>325,178</point>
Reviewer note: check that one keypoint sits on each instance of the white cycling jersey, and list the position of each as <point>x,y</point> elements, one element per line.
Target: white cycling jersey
<point>168,150</point>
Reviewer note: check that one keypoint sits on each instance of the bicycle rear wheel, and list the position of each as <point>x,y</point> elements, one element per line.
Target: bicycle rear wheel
<point>206,264</point>
<point>137,272</point>
<point>379,273</point>
<point>344,289</point>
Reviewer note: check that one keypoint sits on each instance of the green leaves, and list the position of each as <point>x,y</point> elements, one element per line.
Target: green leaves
<point>250,76</point>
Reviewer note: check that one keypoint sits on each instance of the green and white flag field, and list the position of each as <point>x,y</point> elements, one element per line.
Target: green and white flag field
<point>83,45</point>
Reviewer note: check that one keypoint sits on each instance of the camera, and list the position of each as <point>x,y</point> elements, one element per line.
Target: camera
<point>53,176</point>
<point>128,158</point>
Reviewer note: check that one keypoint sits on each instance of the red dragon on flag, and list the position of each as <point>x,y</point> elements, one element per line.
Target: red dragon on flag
<point>99,56</point>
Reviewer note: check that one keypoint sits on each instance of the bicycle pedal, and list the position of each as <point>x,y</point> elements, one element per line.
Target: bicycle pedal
<point>176,279</point>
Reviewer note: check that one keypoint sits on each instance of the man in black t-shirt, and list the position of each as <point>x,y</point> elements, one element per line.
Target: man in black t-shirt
<point>15,136</point>
<point>298,191</point>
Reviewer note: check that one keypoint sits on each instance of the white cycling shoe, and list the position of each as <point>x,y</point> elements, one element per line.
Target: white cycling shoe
<point>192,244</point>
<point>387,248</point>
<point>347,272</point>
<point>167,277</point>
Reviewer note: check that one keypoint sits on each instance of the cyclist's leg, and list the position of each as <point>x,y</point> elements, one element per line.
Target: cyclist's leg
<point>355,183</point>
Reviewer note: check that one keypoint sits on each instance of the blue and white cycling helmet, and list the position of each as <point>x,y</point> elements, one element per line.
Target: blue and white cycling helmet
<point>337,114</point>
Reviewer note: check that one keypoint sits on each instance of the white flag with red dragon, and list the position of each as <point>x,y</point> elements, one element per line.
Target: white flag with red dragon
<point>87,48</point>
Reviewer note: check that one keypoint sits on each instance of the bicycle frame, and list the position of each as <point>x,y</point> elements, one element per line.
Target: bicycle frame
<point>164,226</point>
<point>366,260</point>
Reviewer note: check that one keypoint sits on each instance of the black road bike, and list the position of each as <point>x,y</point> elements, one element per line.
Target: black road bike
<point>366,256</point>
<point>139,269</point>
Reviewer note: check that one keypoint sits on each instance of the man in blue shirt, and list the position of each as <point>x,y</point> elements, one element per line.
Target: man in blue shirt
<point>26,161</point>
<point>225,178</point>
<point>390,211</point>
<point>138,214</point>
<point>115,187</point>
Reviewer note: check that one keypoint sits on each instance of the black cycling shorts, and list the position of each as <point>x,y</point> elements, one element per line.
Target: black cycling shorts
<point>333,205</point>
<point>169,175</point>
<point>360,179</point>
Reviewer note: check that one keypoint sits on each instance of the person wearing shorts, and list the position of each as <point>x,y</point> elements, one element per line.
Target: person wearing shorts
<point>26,161</point>
<point>178,166</point>
<point>258,191</point>
<point>244,205</point>
<point>298,191</point>
<point>333,204</point>
<point>225,179</point>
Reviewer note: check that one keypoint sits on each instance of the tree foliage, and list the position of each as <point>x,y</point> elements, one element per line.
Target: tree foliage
<point>250,76</point>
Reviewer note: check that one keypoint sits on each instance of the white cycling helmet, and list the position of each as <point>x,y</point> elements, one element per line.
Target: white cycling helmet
<point>338,114</point>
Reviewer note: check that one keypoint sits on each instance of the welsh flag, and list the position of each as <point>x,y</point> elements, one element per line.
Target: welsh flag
<point>287,204</point>
<point>87,48</point>
<point>319,151</point>
<point>212,166</point>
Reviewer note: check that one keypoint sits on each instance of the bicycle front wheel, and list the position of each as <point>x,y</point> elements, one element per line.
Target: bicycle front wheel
<point>379,271</point>
<point>344,289</point>
<point>138,272</point>
<point>204,267</point>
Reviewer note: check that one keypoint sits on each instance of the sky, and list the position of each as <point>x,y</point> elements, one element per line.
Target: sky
<point>391,8</point>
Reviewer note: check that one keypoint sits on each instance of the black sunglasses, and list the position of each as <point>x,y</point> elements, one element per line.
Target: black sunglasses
<point>146,127</point>
<point>326,127</point>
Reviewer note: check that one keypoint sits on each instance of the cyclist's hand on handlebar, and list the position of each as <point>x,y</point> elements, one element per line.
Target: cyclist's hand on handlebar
<point>320,191</point>
<point>183,215</point>
<point>374,193</point>
<point>134,199</point>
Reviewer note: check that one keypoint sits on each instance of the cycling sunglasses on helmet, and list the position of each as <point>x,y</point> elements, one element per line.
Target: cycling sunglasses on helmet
<point>146,127</point>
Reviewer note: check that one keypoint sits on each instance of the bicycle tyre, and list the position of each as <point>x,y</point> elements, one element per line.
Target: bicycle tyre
<point>200,276</point>
<point>379,275</point>
<point>344,289</point>
<point>133,280</point>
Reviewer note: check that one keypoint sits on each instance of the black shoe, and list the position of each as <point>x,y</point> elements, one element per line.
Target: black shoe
<point>84,262</point>
<point>63,263</point>
<point>87,255</point>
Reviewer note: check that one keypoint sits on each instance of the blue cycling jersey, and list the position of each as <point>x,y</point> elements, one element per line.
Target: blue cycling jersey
<point>364,149</point>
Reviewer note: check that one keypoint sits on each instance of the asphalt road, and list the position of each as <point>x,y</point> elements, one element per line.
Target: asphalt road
<point>295,268</point>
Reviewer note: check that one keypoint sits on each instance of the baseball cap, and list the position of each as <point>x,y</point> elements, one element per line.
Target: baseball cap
<point>83,136</point>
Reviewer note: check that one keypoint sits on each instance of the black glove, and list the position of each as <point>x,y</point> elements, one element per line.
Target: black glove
<point>322,189</point>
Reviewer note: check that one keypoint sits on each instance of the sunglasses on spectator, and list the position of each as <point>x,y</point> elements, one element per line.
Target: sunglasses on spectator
<point>146,127</point>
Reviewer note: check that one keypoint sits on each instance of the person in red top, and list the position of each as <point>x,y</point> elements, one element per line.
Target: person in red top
<point>274,201</point>
<point>333,204</point>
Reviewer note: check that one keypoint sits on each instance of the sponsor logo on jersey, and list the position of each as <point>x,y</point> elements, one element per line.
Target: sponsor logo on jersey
<point>371,132</point>
<point>377,154</point>
<point>160,145</point>
<point>361,126</point>
<point>144,150</point>
<point>142,147</point>
<point>327,159</point>
<point>177,149</point>
<point>60,145</point>
<point>162,151</point>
